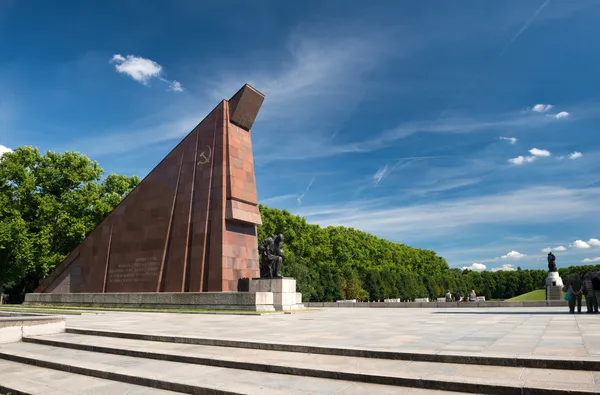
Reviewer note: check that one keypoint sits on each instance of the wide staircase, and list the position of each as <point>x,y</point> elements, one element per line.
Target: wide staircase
<point>82,361</point>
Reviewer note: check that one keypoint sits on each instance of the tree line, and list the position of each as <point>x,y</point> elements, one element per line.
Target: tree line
<point>50,202</point>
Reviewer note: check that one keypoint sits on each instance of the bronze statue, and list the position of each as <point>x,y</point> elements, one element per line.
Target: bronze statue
<point>271,256</point>
<point>551,262</point>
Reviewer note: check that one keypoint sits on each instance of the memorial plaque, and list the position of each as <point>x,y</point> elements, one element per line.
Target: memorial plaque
<point>189,226</point>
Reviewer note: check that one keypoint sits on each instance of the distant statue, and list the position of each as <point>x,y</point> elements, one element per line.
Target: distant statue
<point>271,256</point>
<point>551,262</point>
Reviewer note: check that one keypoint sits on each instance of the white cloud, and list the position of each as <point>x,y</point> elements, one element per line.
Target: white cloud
<point>476,267</point>
<point>541,107</point>
<point>143,70</point>
<point>4,150</point>
<point>562,114</point>
<point>539,152</point>
<point>138,68</point>
<point>513,255</point>
<point>575,155</point>
<point>586,260</point>
<point>580,244</point>
<point>559,248</point>
<point>513,140</point>
<point>380,174</point>
<point>594,242</point>
<point>519,160</point>
<point>507,267</point>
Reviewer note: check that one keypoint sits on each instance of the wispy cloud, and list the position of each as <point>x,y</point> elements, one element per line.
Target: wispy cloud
<point>142,70</point>
<point>524,206</point>
<point>513,140</point>
<point>589,260</point>
<point>526,25</point>
<point>305,191</point>
<point>278,199</point>
<point>380,175</point>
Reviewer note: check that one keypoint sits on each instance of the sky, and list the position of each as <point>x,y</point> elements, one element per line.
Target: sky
<point>469,128</point>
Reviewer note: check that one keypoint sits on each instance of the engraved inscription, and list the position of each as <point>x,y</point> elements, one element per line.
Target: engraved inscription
<point>141,270</point>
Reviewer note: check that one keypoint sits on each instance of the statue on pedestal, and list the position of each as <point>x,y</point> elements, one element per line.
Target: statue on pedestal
<point>271,256</point>
<point>551,263</point>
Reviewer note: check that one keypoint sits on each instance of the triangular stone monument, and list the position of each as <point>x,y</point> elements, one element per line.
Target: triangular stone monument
<point>189,226</point>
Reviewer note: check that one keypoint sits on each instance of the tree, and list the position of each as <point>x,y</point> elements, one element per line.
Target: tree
<point>48,205</point>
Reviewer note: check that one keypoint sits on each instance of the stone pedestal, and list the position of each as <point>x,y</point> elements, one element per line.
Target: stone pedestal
<point>554,280</point>
<point>553,293</point>
<point>284,292</point>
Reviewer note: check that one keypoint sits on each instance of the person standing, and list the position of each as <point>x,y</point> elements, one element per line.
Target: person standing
<point>590,296</point>
<point>575,285</point>
<point>596,286</point>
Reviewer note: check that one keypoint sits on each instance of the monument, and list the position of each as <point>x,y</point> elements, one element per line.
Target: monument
<point>554,283</point>
<point>189,227</point>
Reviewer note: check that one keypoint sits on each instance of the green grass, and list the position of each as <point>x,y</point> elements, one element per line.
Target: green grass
<point>538,294</point>
<point>85,309</point>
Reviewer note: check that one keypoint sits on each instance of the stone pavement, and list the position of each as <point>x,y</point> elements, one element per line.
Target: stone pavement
<point>544,331</point>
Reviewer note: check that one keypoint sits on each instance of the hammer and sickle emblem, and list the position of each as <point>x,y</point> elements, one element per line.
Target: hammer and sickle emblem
<point>204,158</point>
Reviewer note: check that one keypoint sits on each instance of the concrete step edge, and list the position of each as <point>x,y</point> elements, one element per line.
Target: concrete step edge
<point>401,381</point>
<point>11,391</point>
<point>114,376</point>
<point>519,362</point>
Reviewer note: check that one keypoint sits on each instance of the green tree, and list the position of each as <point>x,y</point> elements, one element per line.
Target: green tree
<point>48,205</point>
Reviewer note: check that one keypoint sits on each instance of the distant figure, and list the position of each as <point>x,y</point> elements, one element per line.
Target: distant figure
<point>473,296</point>
<point>574,285</point>
<point>590,296</point>
<point>449,296</point>
<point>457,296</point>
<point>551,262</point>
<point>596,285</point>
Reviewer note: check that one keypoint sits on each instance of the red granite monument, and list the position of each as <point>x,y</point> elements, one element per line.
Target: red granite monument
<point>189,226</point>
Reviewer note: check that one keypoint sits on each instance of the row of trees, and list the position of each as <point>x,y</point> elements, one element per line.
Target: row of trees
<point>343,263</point>
<point>48,203</point>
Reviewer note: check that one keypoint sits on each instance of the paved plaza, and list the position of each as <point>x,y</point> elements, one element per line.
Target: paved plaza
<point>486,331</point>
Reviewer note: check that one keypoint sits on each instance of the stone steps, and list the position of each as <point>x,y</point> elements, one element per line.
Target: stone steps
<point>539,361</point>
<point>21,379</point>
<point>134,361</point>
<point>166,376</point>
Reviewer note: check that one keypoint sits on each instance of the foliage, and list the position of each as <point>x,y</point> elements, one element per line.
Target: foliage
<point>48,203</point>
<point>343,263</point>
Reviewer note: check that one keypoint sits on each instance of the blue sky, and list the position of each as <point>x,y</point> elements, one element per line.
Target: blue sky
<point>469,128</point>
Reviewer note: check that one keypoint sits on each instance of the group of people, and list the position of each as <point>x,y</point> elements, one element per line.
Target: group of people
<point>576,288</point>
<point>458,298</point>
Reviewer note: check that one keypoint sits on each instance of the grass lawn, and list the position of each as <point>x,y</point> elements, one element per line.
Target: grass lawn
<point>86,309</point>
<point>538,294</point>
